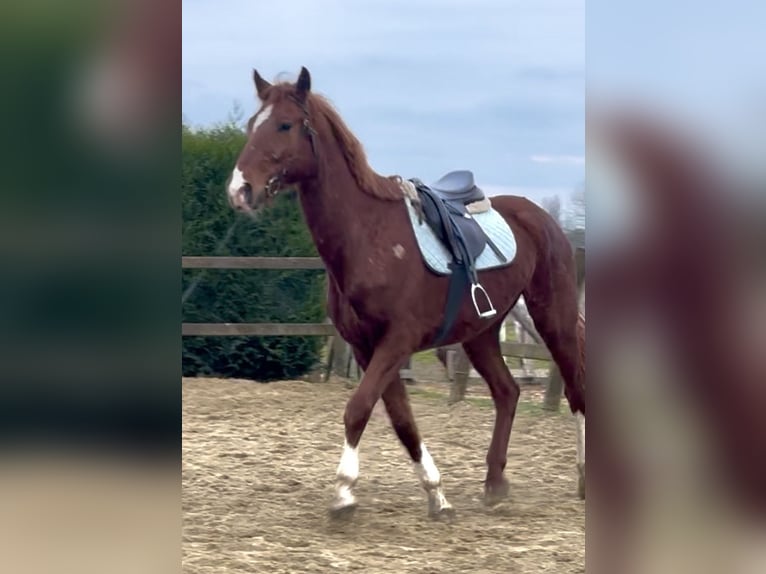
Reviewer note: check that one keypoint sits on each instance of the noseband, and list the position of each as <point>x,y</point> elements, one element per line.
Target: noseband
<point>275,183</point>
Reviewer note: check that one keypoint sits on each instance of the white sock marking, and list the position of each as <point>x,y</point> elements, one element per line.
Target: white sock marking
<point>262,116</point>
<point>347,474</point>
<point>426,469</point>
<point>580,419</point>
<point>349,463</point>
<point>431,479</point>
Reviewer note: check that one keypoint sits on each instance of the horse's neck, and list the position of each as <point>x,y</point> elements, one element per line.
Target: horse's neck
<point>340,216</point>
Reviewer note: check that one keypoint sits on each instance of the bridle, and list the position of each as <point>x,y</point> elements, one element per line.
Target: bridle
<point>274,184</point>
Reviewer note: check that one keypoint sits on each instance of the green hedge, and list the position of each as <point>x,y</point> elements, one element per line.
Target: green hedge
<point>240,296</point>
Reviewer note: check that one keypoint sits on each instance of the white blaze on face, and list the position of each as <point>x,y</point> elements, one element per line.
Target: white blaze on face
<point>237,177</point>
<point>262,116</point>
<point>236,183</point>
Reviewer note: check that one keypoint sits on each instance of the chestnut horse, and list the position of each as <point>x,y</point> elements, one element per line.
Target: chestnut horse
<point>382,298</point>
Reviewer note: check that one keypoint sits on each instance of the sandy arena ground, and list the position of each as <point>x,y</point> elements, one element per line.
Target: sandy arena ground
<point>259,466</point>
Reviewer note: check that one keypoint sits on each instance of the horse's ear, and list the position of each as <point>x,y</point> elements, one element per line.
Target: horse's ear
<point>303,85</point>
<point>261,85</point>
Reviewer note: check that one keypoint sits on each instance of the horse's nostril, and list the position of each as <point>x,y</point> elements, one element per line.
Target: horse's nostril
<point>247,193</point>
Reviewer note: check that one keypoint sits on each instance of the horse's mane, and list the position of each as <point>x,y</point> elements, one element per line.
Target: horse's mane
<point>353,152</point>
<point>385,188</point>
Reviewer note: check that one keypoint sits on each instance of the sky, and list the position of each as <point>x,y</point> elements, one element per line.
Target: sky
<point>428,86</point>
<point>702,64</point>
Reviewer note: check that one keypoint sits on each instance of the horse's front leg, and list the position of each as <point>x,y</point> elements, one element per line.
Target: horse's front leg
<point>402,419</point>
<point>382,370</point>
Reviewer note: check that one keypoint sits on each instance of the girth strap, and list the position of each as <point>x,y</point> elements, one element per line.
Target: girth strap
<point>458,286</point>
<point>447,222</point>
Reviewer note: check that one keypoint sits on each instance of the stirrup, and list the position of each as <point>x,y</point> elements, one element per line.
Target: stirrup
<point>485,314</point>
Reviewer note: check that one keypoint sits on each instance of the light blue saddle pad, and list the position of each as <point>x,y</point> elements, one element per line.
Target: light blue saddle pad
<point>436,255</point>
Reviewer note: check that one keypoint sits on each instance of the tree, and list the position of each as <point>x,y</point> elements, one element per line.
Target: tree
<point>241,296</point>
<point>577,210</point>
<point>553,206</point>
<point>236,115</point>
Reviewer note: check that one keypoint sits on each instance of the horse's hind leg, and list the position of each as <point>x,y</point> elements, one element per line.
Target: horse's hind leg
<point>552,302</point>
<point>485,355</point>
<point>403,421</point>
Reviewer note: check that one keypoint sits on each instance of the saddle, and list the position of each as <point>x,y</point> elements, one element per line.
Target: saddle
<point>443,205</point>
<point>458,187</point>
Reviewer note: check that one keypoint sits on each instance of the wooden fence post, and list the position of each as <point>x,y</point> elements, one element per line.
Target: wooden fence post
<point>553,390</point>
<point>406,373</point>
<point>460,382</point>
<point>340,351</point>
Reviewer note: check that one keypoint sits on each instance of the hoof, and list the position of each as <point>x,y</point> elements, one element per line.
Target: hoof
<point>496,493</point>
<point>342,511</point>
<point>444,512</point>
<point>438,505</point>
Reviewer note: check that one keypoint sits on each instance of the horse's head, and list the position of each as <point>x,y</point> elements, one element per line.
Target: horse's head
<point>280,144</point>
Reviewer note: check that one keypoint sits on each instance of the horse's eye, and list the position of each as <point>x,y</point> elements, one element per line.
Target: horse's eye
<point>285,126</point>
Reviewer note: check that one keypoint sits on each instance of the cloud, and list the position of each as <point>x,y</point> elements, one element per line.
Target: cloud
<point>534,194</point>
<point>422,90</point>
<point>559,159</point>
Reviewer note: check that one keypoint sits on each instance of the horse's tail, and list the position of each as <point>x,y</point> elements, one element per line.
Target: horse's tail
<point>551,299</point>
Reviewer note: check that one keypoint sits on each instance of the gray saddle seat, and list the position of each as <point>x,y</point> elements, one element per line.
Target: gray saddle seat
<point>458,186</point>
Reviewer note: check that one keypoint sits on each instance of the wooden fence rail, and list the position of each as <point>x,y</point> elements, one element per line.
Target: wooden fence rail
<point>258,329</point>
<point>296,329</point>
<point>255,329</point>
<point>193,262</point>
